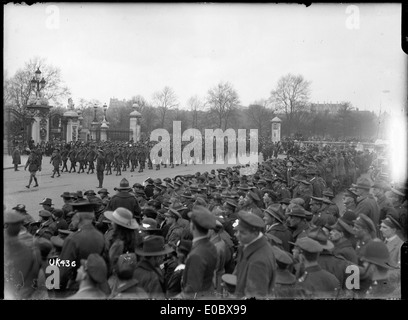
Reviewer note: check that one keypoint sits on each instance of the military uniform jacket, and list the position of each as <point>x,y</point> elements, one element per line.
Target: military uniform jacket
<point>79,245</point>
<point>151,279</point>
<point>174,234</point>
<point>335,265</point>
<point>394,248</point>
<point>91,155</point>
<point>33,163</point>
<point>345,249</point>
<point>369,207</point>
<point>64,154</point>
<point>125,200</point>
<point>283,233</point>
<point>199,270</point>
<point>56,160</point>
<point>319,282</point>
<point>47,229</point>
<point>100,163</point>
<point>72,155</point>
<point>255,270</point>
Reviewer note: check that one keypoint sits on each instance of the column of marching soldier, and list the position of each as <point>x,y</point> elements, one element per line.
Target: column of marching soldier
<point>228,233</point>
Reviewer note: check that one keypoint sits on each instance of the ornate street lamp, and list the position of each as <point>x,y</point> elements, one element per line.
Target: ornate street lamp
<point>36,84</point>
<point>105,108</point>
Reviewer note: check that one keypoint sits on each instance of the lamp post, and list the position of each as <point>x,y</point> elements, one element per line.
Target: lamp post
<point>37,85</point>
<point>95,108</point>
<point>105,108</point>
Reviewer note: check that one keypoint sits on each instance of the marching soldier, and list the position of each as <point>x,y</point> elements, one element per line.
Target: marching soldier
<point>81,156</point>
<point>64,158</point>
<point>90,157</point>
<point>56,162</point>
<point>100,167</point>
<point>109,160</point>
<point>118,158</point>
<point>72,154</point>
<point>33,164</point>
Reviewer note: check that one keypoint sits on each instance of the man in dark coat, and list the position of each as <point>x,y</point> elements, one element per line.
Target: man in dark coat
<point>202,259</point>
<point>56,162</point>
<point>275,225</point>
<point>343,247</point>
<point>16,158</point>
<point>149,188</point>
<point>79,245</point>
<point>366,203</point>
<point>100,167</point>
<point>21,264</point>
<point>125,199</point>
<point>256,264</point>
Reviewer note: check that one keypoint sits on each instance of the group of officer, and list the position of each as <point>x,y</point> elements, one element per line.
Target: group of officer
<point>273,232</point>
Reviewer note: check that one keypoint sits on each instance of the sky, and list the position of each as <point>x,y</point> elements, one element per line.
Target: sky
<point>348,52</point>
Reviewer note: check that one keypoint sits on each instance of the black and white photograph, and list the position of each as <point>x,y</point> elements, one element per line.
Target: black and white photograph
<point>204,151</point>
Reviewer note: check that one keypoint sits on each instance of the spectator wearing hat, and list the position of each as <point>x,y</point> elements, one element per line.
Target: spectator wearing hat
<point>56,162</point>
<point>91,275</point>
<point>340,235</point>
<point>374,273</point>
<point>148,271</point>
<point>297,222</point>
<point>318,185</point>
<point>126,287</point>
<point>47,204</point>
<point>317,282</point>
<point>21,263</point>
<point>223,254</point>
<point>316,209</point>
<point>123,198</point>
<point>285,283</point>
<point>183,248</point>
<point>100,166</point>
<point>304,191</point>
<point>252,204</point>
<point>175,231</point>
<point>275,222</point>
<point>47,225</point>
<point>124,235</point>
<point>366,203</point>
<point>202,259</point>
<point>327,260</point>
<point>389,227</point>
<point>379,190</point>
<point>59,220</point>
<point>79,245</point>
<point>256,265</point>
<point>328,205</point>
<point>34,164</point>
<point>104,195</point>
<point>364,231</point>
<point>66,208</point>
<point>16,156</point>
<point>21,209</point>
<point>350,200</point>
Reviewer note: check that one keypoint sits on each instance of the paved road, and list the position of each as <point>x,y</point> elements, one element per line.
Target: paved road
<point>15,192</point>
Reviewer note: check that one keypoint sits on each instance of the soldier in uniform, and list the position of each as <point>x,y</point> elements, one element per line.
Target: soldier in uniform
<point>72,154</point>
<point>100,167</point>
<point>64,158</point>
<point>33,163</point>
<point>297,222</point>
<point>56,162</point>
<point>90,157</point>
<point>79,245</point>
<point>275,225</point>
<point>256,264</point>
<point>118,159</point>
<point>81,156</point>
<point>328,205</point>
<point>47,227</point>
<point>133,158</point>
<point>316,281</point>
<point>66,208</point>
<point>317,185</point>
<point>109,160</point>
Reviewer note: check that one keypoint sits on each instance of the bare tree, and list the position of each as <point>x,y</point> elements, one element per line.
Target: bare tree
<point>290,97</point>
<point>223,101</point>
<point>165,100</point>
<point>259,117</point>
<point>195,104</point>
<point>19,88</point>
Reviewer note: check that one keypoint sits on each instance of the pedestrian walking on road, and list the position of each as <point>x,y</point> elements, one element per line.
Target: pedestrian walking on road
<point>16,158</point>
<point>33,164</point>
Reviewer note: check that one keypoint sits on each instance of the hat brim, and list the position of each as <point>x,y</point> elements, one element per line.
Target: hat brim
<point>167,250</point>
<point>328,246</point>
<point>285,278</point>
<point>383,264</point>
<point>345,226</point>
<point>109,215</point>
<point>274,215</point>
<point>122,188</point>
